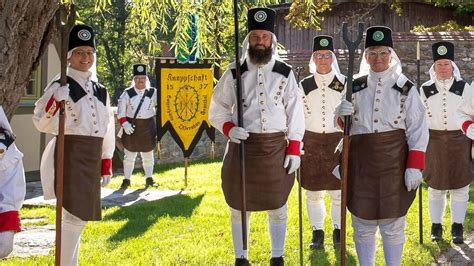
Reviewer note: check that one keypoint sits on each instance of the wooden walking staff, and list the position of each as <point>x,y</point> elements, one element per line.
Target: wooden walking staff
<point>240,122</point>
<point>351,46</point>
<point>65,17</point>
<point>420,189</point>
<point>300,201</point>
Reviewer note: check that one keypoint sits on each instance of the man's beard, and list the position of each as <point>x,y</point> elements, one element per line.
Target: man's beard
<point>259,56</point>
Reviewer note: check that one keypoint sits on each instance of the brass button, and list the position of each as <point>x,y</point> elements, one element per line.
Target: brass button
<point>48,116</point>
<point>263,110</point>
<point>376,131</point>
<point>356,119</point>
<point>97,131</point>
<point>264,120</point>
<point>396,122</point>
<point>93,115</point>
<point>377,100</point>
<point>376,120</point>
<point>261,102</point>
<point>376,109</point>
<point>379,91</point>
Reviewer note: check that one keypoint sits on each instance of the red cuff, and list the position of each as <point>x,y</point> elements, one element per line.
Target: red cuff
<point>122,120</point>
<point>416,159</point>
<point>340,123</point>
<point>465,125</point>
<point>52,103</point>
<point>227,127</point>
<point>106,167</point>
<point>293,148</point>
<point>10,221</point>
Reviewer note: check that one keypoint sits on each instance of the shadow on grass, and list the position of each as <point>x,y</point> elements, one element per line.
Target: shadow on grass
<point>320,257</point>
<point>140,217</point>
<point>161,168</point>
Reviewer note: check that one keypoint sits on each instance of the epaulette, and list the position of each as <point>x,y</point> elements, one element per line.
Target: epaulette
<point>131,92</point>
<point>282,68</point>
<point>336,84</point>
<point>243,68</point>
<point>6,137</point>
<point>429,90</point>
<point>308,84</point>
<point>405,86</point>
<point>359,84</point>
<point>458,87</point>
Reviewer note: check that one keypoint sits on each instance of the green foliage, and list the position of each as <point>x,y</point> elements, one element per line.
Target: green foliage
<point>461,6</point>
<point>307,14</point>
<point>193,228</point>
<point>449,25</point>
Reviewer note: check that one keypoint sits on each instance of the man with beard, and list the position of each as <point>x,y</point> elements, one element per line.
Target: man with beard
<point>448,157</point>
<point>321,93</point>
<point>89,140</point>
<point>389,135</point>
<point>136,113</point>
<point>12,186</point>
<point>273,122</point>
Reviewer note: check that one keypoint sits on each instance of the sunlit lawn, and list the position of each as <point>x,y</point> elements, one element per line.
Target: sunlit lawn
<point>194,228</point>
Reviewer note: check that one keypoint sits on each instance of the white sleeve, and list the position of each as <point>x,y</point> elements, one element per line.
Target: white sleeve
<point>294,110</point>
<point>122,105</point>
<point>465,111</point>
<point>108,146</point>
<point>222,103</point>
<point>416,122</point>
<point>46,114</point>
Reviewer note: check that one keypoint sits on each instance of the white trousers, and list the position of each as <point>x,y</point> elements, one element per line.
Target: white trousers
<point>6,243</point>
<point>276,225</point>
<point>365,237</point>
<point>317,209</point>
<point>458,201</point>
<point>148,160</point>
<point>71,234</point>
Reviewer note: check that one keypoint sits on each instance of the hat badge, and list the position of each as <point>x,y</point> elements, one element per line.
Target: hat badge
<point>324,42</point>
<point>84,35</point>
<point>442,50</point>
<point>140,68</point>
<point>377,36</point>
<point>260,16</point>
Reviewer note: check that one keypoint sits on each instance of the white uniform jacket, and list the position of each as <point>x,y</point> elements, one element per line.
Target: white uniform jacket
<point>321,93</point>
<point>271,101</point>
<point>88,113</point>
<point>385,102</point>
<point>441,100</point>
<point>130,99</point>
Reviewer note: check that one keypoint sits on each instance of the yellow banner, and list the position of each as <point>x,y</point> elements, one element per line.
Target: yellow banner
<point>185,98</point>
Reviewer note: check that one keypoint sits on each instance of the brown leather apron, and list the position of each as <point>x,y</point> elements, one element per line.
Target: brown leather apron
<point>448,160</point>
<point>376,183</point>
<point>319,160</point>
<point>143,138</point>
<point>82,173</point>
<point>267,182</point>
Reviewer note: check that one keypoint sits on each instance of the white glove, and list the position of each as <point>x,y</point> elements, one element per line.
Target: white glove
<point>413,178</point>
<point>105,180</point>
<point>128,128</point>
<point>3,149</point>
<point>470,131</point>
<point>236,134</point>
<point>62,93</point>
<point>293,161</point>
<point>344,108</point>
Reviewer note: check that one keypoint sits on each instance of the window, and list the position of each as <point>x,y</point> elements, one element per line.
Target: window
<point>33,89</point>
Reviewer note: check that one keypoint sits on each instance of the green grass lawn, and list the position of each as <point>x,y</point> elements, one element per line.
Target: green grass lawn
<point>194,228</point>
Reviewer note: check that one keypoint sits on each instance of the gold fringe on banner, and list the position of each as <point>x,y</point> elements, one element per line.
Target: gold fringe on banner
<point>212,150</point>
<point>158,150</point>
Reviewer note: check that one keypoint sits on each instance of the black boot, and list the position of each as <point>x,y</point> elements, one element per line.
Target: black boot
<point>149,182</point>
<point>318,240</point>
<point>125,184</point>
<point>336,237</point>
<point>436,232</point>
<point>456,233</point>
<point>241,262</point>
<point>277,261</point>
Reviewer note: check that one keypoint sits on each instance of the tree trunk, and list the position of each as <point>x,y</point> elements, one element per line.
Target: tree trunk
<point>25,31</point>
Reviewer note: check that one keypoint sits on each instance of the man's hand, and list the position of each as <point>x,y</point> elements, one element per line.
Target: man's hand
<point>293,161</point>
<point>128,128</point>
<point>105,180</point>
<point>413,178</point>
<point>236,134</point>
<point>344,108</point>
